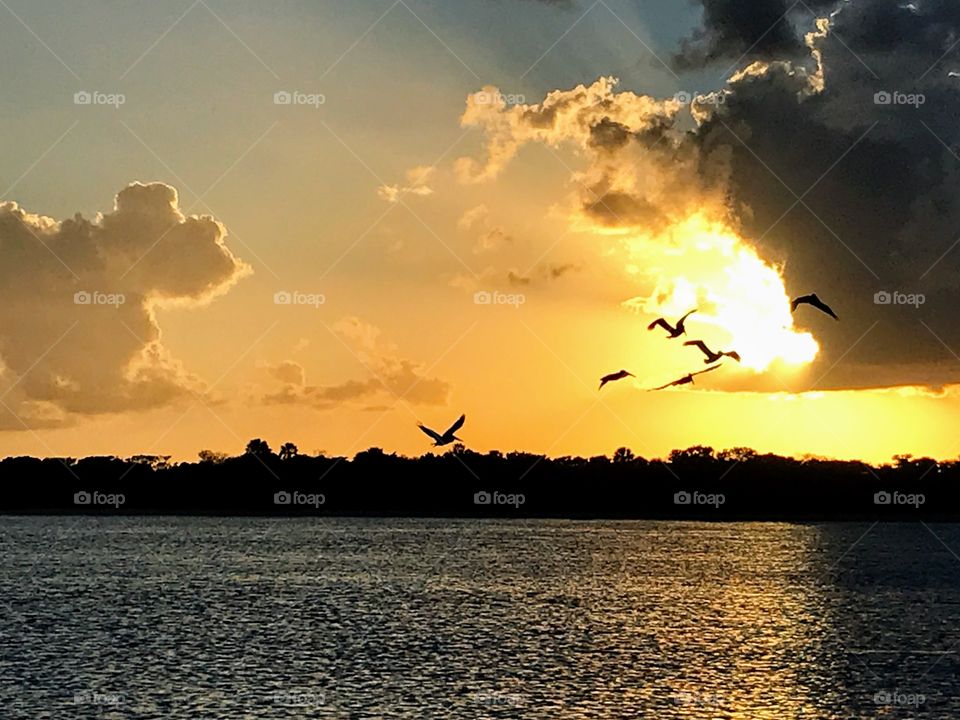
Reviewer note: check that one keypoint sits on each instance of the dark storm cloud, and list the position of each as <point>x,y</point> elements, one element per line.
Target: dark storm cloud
<point>880,186</point>
<point>764,29</point>
<point>834,150</point>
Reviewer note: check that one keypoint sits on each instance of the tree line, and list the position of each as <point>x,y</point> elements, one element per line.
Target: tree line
<point>698,481</point>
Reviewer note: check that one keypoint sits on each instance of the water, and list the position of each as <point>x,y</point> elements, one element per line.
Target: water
<point>341,618</point>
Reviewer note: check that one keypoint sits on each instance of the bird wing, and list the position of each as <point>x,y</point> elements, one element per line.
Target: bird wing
<point>733,354</point>
<point>669,384</point>
<point>681,320</point>
<point>430,432</point>
<point>802,299</point>
<point>661,323</point>
<point>456,426</point>
<point>821,305</point>
<point>700,344</point>
<point>712,367</point>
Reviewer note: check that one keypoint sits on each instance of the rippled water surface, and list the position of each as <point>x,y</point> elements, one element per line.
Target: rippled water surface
<point>256,618</point>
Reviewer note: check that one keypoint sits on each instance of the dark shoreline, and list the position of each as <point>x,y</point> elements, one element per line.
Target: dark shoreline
<point>693,484</point>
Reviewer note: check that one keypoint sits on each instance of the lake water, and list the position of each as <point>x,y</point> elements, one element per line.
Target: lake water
<point>198,618</point>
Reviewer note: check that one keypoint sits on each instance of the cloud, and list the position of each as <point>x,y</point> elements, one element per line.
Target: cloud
<point>518,280</point>
<point>416,184</point>
<point>472,216</point>
<point>638,174</point>
<point>564,115</point>
<point>391,376</point>
<point>548,272</point>
<point>555,271</point>
<point>491,237</point>
<point>78,329</point>
<point>288,372</point>
<point>732,29</point>
<point>882,202</point>
<point>846,194</point>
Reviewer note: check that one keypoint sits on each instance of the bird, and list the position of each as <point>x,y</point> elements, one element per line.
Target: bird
<point>672,331</point>
<point>712,356</point>
<point>620,375</point>
<point>812,299</point>
<point>449,436</point>
<point>685,380</point>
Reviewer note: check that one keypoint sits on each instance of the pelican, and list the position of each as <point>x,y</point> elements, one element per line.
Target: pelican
<point>812,299</point>
<point>685,380</point>
<point>673,331</point>
<point>712,356</point>
<point>614,376</point>
<point>449,436</point>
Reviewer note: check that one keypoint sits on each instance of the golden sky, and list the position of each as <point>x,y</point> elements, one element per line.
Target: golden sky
<point>324,226</point>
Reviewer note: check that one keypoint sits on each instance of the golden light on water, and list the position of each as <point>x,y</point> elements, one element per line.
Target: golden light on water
<point>703,264</point>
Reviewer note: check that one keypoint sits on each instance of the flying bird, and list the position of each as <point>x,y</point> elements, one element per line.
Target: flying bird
<point>685,380</point>
<point>614,376</point>
<point>712,356</point>
<point>812,299</point>
<point>672,331</point>
<point>449,436</point>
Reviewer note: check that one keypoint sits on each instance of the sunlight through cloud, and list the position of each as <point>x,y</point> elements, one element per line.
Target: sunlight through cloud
<point>705,265</point>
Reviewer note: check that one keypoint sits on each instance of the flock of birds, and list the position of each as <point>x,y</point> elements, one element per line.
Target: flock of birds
<point>673,331</point>
<point>710,356</point>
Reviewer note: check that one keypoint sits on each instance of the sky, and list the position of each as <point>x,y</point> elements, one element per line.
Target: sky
<point>326,222</point>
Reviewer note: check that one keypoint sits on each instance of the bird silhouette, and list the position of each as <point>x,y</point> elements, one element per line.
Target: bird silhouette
<point>816,302</point>
<point>672,332</point>
<point>712,356</point>
<point>685,380</point>
<point>620,375</point>
<point>449,436</point>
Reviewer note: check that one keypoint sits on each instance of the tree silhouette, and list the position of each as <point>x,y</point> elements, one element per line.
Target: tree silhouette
<point>258,448</point>
<point>154,462</point>
<point>209,456</point>
<point>374,482</point>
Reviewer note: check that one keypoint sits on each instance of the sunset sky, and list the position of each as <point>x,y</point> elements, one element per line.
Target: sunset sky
<point>476,207</point>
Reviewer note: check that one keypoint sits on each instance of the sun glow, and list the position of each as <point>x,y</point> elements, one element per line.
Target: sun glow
<point>705,265</point>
